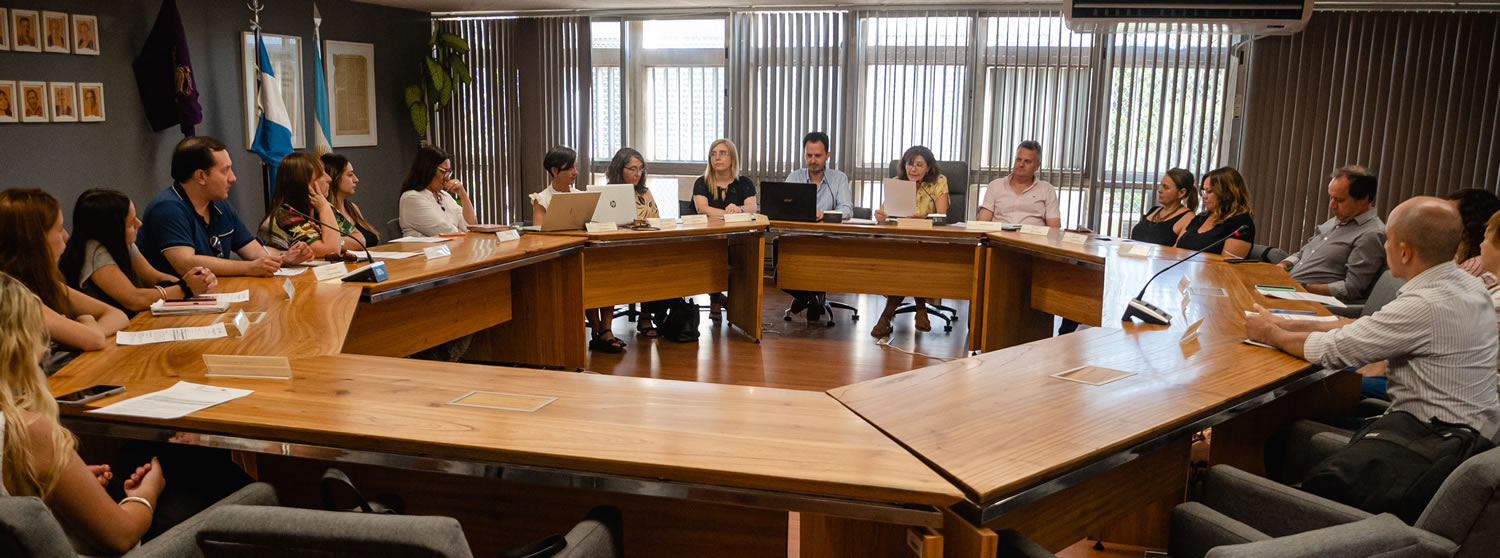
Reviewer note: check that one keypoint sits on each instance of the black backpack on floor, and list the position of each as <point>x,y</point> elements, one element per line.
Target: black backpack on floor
<point>681,323</point>
<point>1395,464</point>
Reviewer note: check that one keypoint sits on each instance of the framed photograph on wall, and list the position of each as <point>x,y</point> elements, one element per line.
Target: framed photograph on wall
<point>91,102</point>
<point>26,29</point>
<point>57,37</point>
<point>350,69</point>
<point>9,109</point>
<point>285,52</point>
<point>64,101</point>
<point>33,102</point>
<point>4,29</point>
<point>85,34</point>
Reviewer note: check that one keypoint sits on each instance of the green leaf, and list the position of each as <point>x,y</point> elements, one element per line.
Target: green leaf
<point>419,119</point>
<point>460,71</point>
<point>436,75</point>
<point>413,95</point>
<point>453,42</point>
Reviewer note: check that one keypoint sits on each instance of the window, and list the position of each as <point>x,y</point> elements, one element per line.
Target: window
<point>659,87</point>
<point>607,120</point>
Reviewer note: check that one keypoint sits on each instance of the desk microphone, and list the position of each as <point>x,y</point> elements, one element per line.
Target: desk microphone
<point>1149,313</point>
<point>374,272</point>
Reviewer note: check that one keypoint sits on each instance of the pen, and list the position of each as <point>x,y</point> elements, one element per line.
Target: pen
<point>1274,288</point>
<point>1287,311</point>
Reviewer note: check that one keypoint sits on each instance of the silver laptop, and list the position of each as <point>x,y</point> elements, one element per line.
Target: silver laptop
<point>569,211</point>
<point>616,203</point>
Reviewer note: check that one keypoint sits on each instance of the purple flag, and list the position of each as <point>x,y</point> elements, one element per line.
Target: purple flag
<point>164,74</point>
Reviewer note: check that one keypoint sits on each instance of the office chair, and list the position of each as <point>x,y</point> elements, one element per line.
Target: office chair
<point>393,229</point>
<point>957,173</point>
<point>828,305</point>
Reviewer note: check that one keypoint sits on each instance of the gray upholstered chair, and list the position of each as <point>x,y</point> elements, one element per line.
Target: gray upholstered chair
<point>1383,292</point>
<point>392,229</point>
<point>957,173</point>
<point>252,531</point>
<point>27,528</point>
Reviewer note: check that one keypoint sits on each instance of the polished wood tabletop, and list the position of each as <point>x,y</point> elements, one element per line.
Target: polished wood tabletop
<point>473,251</point>
<point>313,323</point>
<point>999,423</point>
<point>748,437</point>
<point>715,225</point>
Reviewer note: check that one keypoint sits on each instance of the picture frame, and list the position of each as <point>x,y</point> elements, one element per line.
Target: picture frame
<point>56,35</point>
<point>350,70</point>
<point>285,52</point>
<point>85,35</point>
<point>91,102</point>
<point>10,111</point>
<point>4,29</point>
<point>26,31</point>
<point>34,102</point>
<point>63,100</point>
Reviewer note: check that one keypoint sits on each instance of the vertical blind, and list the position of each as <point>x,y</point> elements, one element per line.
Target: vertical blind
<point>1413,96</point>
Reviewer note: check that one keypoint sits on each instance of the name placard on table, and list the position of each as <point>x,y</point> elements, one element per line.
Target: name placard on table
<point>1075,238</point>
<point>688,220</point>
<point>600,227</point>
<point>739,217</point>
<point>913,223</point>
<point>508,236</point>
<point>984,226</point>
<point>662,222</point>
<point>1037,230</point>
<point>335,271</point>
<point>436,252</point>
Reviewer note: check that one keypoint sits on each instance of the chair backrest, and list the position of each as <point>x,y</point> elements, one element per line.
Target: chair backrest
<point>393,229</point>
<point>598,536</point>
<point>27,528</point>
<point>1466,508</point>
<point>957,173</point>
<point>246,531</point>
<point>1383,292</point>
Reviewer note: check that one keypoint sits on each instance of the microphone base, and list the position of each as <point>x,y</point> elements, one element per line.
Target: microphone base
<point>373,273</point>
<point>1146,313</point>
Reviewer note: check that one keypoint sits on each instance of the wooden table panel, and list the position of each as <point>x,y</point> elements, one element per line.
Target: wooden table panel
<point>546,326</point>
<point>631,273</point>
<point>471,252</point>
<point>404,325</point>
<point>747,257</point>
<point>875,266</point>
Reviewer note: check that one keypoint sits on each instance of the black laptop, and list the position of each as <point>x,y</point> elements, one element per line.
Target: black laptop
<point>789,201</point>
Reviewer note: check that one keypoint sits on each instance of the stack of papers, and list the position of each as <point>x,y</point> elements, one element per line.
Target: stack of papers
<point>289,271</point>
<point>393,255</point>
<point>174,402</point>
<point>1290,294</point>
<point>207,305</point>
<point>237,296</point>
<point>1301,317</point>
<point>421,239</point>
<point>165,335</point>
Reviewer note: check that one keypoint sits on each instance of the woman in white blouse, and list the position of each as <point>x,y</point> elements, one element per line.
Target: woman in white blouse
<point>559,162</point>
<point>428,207</point>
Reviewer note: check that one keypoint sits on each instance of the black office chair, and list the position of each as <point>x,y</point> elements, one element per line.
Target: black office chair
<point>957,173</point>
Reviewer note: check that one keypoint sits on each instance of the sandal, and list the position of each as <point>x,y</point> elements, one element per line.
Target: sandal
<point>646,330</point>
<point>604,346</point>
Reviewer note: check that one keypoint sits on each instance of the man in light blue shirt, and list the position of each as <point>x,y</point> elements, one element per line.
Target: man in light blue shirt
<point>833,195</point>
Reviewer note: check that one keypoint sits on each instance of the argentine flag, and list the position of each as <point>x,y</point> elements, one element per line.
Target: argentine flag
<point>320,89</point>
<point>273,130</point>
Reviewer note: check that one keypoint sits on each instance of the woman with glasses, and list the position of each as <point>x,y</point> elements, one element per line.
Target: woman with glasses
<point>629,167</point>
<point>1226,208</point>
<point>918,165</point>
<point>721,189</point>
<point>428,205</point>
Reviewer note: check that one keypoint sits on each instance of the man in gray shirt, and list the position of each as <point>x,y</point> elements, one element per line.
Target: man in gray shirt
<point>1345,255</point>
<point>1438,335</point>
<point>834,194</point>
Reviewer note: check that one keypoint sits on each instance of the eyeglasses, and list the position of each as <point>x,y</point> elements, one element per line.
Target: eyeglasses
<point>718,153</point>
<point>446,172</point>
<point>636,169</point>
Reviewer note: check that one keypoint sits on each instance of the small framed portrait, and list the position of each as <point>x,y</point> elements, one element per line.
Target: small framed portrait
<point>4,29</point>
<point>85,34</point>
<point>33,102</point>
<point>64,101</point>
<point>25,31</point>
<point>9,110</point>
<point>57,37</point>
<point>91,102</point>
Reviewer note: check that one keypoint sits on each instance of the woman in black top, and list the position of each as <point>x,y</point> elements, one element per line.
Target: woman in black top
<point>1226,207</point>
<point>1177,199</point>
<point>721,189</point>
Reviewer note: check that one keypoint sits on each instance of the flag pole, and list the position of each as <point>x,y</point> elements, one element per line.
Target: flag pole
<point>265,169</point>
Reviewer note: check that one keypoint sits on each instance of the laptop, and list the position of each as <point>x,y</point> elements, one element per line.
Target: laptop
<point>900,198</point>
<point>616,203</point>
<point>789,201</point>
<point>569,211</point>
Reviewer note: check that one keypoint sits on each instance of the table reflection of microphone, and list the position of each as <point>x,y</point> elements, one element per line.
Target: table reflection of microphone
<point>1149,313</point>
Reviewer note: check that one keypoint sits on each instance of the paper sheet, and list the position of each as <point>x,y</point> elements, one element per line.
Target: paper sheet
<point>1309,297</point>
<point>289,271</point>
<point>394,255</point>
<point>174,402</point>
<point>421,239</point>
<point>1301,317</point>
<point>166,335</point>
<point>238,296</point>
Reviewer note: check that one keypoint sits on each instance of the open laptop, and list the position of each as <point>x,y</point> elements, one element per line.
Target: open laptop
<point>789,201</point>
<point>616,203</point>
<point>569,211</point>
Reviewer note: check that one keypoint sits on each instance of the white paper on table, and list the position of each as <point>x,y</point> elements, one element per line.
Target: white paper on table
<point>288,272</point>
<point>237,296</point>
<point>166,335</point>
<point>859,221</point>
<point>1309,297</point>
<point>177,401</point>
<point>1299,317</point>
<point>394,255</point>
<point>422,239</point>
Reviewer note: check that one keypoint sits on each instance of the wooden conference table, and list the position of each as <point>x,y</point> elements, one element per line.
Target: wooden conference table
<point>1061,459</point>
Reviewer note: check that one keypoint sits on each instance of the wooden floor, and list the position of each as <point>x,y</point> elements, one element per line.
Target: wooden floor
<point>793,355</point>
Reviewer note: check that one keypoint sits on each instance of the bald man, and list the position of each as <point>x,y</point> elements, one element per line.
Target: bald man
<point>1438,334</point>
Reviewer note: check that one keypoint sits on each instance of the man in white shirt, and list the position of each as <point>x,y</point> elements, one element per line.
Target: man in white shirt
<point>1020,198</point>
<point>1438,334</point>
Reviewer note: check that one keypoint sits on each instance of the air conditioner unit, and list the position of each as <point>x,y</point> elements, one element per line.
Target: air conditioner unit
<point>1234,16</point>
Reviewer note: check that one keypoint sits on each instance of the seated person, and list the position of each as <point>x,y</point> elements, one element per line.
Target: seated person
<point>1020,198</point>
<point>189,225</point>
<point>428,207</point>
<point>356,233</point>
<point>302,185</point>
<point>32,239</point>
<point>101,259</point>
<point>1176,199</point>
<point>918,165</point>
<point>833,195</point>
<point>1475,206</point>
<point>629,167</point>
<point>1226,207</point>
<point>1439,334</point>
<point>1346,254</point>
<point>39,455</point>
<point>721,190</point>
<point>560,163</point>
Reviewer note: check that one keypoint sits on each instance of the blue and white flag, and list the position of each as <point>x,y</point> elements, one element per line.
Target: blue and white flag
<point>320,90</point>
<point>273,128</point>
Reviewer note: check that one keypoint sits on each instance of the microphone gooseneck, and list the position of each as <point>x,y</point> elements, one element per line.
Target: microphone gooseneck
<point>361,244</point>
<point>1148,313</point>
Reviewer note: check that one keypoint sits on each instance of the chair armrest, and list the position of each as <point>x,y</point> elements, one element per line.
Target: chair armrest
<point>1013,544</point>
<point>267,531</point>
<point>1302,452</point>
<point>1382,535</point>
<point>1369,407</point>
<point>181,539</point>
<point>1196,529</point>
<point>1271,508</point>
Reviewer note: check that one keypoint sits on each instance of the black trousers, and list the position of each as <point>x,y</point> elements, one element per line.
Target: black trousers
<point>196,478</point>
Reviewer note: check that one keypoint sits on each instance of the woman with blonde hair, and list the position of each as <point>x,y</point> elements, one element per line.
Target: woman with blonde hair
<point>1226,208</point>
<point>38,456</point>
<point>721,189</point>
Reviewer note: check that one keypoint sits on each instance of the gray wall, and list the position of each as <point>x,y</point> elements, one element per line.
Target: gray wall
<point>123,153</point>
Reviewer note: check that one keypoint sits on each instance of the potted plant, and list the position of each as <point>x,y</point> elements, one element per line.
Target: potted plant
<point>443,69</point>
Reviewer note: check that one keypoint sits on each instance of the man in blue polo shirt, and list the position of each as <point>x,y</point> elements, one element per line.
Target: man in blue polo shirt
<point>190,225</point>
